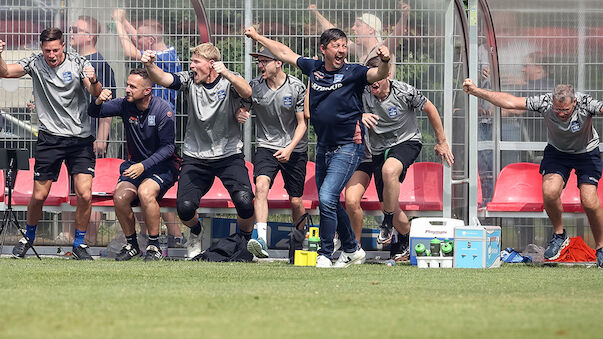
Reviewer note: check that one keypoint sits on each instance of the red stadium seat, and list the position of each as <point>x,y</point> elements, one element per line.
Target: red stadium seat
<point>2,186</point>
<point>279,198</point>
<point>423,188</point>
<point>570,197</point>
<point>370,199</point>
<point>169,198</point>
<point>104,182</point>
<point>518,189</point>
<point>59,193</point>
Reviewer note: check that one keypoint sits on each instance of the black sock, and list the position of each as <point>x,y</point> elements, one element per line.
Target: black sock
<point>246,235</point>
<point>131,239</point>
<point>388,218</point>
<point>196,230</point>
<point>154,240</point>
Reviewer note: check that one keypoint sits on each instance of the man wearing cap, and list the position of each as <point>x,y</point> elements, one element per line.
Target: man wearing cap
<point>368,30</point>
<point>277,100</point>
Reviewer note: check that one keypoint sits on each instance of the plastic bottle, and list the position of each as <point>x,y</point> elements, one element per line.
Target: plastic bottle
<point>163,240</point>
<point>447,249</point>
<point>435,247</point>
<point>306,243</point>
<point>420,249</point>
<point>313,239</point>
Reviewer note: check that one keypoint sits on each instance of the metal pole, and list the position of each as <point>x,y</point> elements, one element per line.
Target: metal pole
<point>473,74</point>
<point>247,130</point>
<point>448,102</point>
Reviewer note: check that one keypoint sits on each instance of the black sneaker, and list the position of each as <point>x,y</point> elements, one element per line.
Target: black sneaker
<point>21,248</point>
<point>400,250</point>
<point>556,244</point>
<point>81,253</point>
<point>600,257</point>
<point>153,253</point>
<point>127,252</point>
<point>385,233</point>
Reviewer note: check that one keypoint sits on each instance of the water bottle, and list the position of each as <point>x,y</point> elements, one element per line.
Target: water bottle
<point>420,249</point>
<point>447,249</point>
<point>306,243</point>
<point>435,247</point>
<point>163,240</point>
<point>313,239</point>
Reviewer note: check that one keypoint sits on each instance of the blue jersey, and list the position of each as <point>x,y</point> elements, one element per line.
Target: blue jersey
<point>150,134</point>
<point>169,62</point>
<point>335,100</point>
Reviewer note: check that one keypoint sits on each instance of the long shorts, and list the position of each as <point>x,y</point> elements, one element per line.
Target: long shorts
<point>52,150</point>
<point>587,165</point>
<point>164,174</point>
<point>406,152</point>
<point>293,171</point>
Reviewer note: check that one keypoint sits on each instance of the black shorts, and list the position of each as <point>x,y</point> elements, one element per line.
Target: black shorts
<point>293,171</point>
<point>406,152</point>
<point>197,177</point>
<point>52,150</point>
<point>587,165</point>
<point>164,174</point>
<point>366,167</point>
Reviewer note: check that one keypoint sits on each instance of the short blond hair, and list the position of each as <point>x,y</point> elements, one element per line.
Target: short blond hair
<point>207,51</point>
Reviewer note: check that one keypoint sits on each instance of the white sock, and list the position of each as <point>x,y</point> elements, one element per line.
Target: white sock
<point>262,228</point>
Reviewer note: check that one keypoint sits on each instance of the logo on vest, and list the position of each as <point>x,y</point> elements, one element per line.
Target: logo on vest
<point>221,94</point>
<point>287,101</point>
<point>67,76</point>
<point>575,126</point>
<point>392,111</point>
<point>151,120</point>
<point>337,78</point>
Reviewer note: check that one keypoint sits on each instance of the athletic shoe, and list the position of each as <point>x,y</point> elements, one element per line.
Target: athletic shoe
<point>21,248</point>
<point>556,244</point>
<point>336,244</point>
<point>400,250</point>
<point>193,246</point>
<point>600,257</point>
<point>385,233</point>
<point>127,252</point>
<point>346,259</point>
<point>323,262</point>
<point>153,254</point>
<point>81,253</point>
<point>258,247</point>
<point>176,241</point>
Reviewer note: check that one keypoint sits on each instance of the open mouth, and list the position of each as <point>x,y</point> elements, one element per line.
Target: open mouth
<point>339,58</point>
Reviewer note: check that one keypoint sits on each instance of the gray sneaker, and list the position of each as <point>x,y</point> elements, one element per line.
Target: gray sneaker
<point>21,248</point>
<point>600,257</point>
<point>556,244</point>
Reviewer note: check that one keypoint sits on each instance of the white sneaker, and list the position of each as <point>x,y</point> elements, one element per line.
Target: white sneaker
<point>347,259</point>
<point>193,246</point>
<point>323,262</point>
<point>336,244</point>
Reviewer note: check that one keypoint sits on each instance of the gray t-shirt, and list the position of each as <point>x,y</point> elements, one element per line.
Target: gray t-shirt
<point>60,95</point>
<point>397,119</point>
<point>276,113</point>
<point>212,131</point>
<point>577,134</point>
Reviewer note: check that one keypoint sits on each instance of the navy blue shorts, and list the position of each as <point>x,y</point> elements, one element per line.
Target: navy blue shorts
<point>164,174</point>
<point>587,165</point>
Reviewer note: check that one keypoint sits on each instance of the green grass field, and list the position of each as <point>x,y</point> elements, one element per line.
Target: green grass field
<point>57,298</point>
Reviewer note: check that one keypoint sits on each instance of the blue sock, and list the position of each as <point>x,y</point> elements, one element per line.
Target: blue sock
<point>30,232</point>
<point>79,238</point>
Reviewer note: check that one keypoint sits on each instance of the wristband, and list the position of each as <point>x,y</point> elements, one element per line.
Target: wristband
<point>94,83</point>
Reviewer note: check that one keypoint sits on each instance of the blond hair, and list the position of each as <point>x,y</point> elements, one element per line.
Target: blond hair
<point>208,51</point>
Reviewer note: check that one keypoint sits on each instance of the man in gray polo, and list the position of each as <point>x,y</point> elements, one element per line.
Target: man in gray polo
<point>212,142</point>
<point>60,81</point>
<point>573,143</point>
<point>278,103</point>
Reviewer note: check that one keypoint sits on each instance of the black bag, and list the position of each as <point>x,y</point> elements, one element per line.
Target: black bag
<point>232,248</point>
<point>296,238</point>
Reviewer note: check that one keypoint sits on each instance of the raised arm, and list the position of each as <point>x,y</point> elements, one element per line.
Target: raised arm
<point>156,74</point>
<point>240,85</point>
<point>9,70</point>
<point>394,39</point>
<point>441,148</point>
<point>93,86</point>
<point>500,99</point>
<point>379,73</point>
<point>124,30</point>
<point>281,51</point>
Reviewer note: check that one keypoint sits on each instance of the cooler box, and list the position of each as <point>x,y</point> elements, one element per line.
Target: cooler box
<point>477,246</point>
<point>422,230</point>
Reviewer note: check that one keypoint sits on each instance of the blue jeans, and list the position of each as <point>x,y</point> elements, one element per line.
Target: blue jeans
<point>334,168</point>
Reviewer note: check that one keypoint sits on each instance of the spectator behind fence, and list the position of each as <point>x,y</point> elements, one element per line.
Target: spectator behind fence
<point>282,143</point>
<point>395,139</point>
<point>573,143</point>
<point>65,133</point>
<point>336,113</point>
<point>152,165</point>
<point>369,34</point>
<point>148,36</point>
<point>212,142</point>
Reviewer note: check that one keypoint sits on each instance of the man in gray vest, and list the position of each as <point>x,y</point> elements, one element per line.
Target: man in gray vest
<point>278,104</point>
<point>573,143</point>
<point>212,142</point>
<point>60,81</point>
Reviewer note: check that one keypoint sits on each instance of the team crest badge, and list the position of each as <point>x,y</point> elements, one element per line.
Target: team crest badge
<point>575,126</point>
<point>337,78</point>
<point>288,101</point>
<point>221,94</point>
<point>67,76</point>
<point>151,120</point>
<point>392,111</point>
